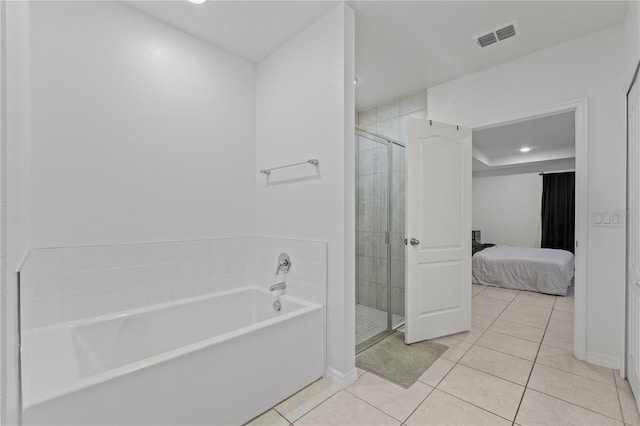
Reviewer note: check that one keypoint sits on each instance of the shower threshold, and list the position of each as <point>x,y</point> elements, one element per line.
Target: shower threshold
<point>371,326</point>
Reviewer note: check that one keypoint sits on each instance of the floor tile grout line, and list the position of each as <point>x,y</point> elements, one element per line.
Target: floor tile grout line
<point>264,413</point>
<point>575,374</point>
<point>532,306</point>
<point>575,405</point>
<point>307,412</point>
<point>421,402</point>
<point>560,320</point>
<point>474,295</point>
<point>502,352</point>
<point>526,386</point>
<point>493,303</point>
<point>518,337</point>
<point>526,325</point>
<point>519,302</point>
<point>471,403</point>
<point>382,411</point>
<point>491,374</point>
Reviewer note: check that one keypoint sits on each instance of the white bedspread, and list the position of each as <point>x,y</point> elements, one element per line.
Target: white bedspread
<point>524,268</point>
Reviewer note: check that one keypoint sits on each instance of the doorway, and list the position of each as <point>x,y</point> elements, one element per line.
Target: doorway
<point>379,237</point>
<point>580,108</point>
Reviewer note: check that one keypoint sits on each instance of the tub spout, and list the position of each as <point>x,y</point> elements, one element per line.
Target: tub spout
<point>279,286</point>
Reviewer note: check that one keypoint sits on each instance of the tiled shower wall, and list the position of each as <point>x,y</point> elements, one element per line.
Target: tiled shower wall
<point>390,119</point>
<point>371,250</point>
<point>65,284</point>
<point>386,120</point>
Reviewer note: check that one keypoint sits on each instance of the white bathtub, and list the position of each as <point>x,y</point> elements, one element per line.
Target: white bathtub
<point>219,359</point>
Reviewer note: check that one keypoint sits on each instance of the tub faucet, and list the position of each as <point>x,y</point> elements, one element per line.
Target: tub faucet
<point>279,286</point>
<point>284,263</point>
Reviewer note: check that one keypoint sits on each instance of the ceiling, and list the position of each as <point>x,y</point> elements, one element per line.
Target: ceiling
<point>401,46</point>
<point>551,139</point>
<point>406,46</point>
<point>250,29</point>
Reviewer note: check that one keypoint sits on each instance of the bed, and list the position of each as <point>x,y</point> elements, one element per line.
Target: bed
<point>547,271</point>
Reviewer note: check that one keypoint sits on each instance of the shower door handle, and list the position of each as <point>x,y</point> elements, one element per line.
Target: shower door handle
<point>414,242</point>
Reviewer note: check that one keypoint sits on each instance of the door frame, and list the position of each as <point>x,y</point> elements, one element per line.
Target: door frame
<point>580,107</point>
<point>625,346</point>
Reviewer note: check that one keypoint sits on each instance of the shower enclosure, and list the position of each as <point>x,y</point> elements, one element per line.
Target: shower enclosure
<point>379,237</point>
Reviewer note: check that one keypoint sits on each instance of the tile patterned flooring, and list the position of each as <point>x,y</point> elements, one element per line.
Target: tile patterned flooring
<point>515,367</point>
<point>371,321</point>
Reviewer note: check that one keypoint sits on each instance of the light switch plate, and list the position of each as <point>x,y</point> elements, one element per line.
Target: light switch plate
<point>608,218</point>
<point>597,218</point>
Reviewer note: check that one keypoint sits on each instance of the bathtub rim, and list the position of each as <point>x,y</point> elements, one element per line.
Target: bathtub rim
<point>133,367</point>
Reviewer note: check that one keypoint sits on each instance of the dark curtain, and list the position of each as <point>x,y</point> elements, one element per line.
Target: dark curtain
<point>558,210</point>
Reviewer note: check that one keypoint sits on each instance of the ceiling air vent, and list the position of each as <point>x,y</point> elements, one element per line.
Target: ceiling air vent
<point>487,39</point>
<point>506,32</point>
<point>497,35</point>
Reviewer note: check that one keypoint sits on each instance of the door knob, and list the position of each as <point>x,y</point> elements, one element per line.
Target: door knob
<point>414,242</point>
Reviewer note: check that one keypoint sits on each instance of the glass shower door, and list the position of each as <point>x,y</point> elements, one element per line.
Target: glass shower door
<point>372,250</point>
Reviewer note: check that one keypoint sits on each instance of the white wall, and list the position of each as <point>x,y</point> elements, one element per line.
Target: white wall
<point>15,201</point>
<point>507,209</point>
<point>590,66</point>
<point>115,133</point>
<point>140,131</point>
<point>305,109</point>
<point>632,38</point>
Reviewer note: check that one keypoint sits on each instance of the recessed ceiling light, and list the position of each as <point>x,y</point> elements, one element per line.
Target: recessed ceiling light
<point>356,80</point>
<point>197,1</point>
<point>525,149</point>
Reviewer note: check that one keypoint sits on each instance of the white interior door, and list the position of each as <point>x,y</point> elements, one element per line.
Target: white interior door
<point>438,225</point>
<point>633,241</point>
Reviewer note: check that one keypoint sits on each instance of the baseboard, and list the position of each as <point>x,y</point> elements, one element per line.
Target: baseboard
<point>603,360</point>
<point>342,379</point>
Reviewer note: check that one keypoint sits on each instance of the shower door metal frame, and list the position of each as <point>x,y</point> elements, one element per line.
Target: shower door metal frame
<point>389,144</point>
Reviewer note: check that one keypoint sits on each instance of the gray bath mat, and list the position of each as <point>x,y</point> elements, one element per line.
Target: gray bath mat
<point>397,362</point>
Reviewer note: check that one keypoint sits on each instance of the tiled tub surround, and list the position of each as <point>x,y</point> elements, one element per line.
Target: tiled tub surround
<point>136,325</point>
<point>66,284</point>
<point>214,359</point>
